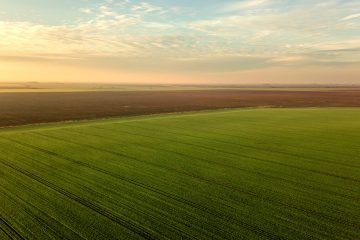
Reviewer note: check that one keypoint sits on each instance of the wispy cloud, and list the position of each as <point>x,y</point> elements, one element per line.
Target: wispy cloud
<point>129,33</point>
<point>352,16</point>
<point>85,10</point>
<point>241,5</point>
<point>146,7</point>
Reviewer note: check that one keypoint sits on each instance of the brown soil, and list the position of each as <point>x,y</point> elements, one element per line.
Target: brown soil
<point>28,108</point>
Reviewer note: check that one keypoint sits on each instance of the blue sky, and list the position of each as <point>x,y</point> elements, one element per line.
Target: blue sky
<point>68,10</point>
<point>235,40</point>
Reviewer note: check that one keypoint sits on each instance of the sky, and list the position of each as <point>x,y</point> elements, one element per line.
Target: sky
<point>181,41</point>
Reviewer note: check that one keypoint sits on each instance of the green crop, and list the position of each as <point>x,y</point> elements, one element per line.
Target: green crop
<point>229,174</point>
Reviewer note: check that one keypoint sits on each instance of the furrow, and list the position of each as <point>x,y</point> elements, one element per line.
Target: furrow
<point>217,214</point>
<point>224,165</point>
<point>247,156</point>
<point>9,230</point>
<point>97,208</point>
<point>267,199</point>
<point>307,158</point>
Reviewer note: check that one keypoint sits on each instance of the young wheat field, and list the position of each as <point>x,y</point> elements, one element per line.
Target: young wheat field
<point>226,174</point>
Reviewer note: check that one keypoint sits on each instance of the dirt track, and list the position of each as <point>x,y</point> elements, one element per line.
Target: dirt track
<point>27,108</point>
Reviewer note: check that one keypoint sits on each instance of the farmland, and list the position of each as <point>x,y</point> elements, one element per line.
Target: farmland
<point>226,174</point>
<point>23,87</point>
<point>34,107</point>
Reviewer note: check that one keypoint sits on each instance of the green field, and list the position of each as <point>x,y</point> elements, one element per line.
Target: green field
<point>229,174</point>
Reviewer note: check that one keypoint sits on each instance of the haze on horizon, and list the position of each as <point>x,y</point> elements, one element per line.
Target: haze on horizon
<point>181,41</point>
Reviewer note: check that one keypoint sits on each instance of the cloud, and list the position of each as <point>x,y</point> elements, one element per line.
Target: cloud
<point>289,59</point>
<point>352,16</point>
<point>85,10</point>
<point>241,5</point>
<point>146,7</point>
<point>127,33</point>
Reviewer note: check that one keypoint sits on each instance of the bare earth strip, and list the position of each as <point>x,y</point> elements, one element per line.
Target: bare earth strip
<point>29,108</point>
